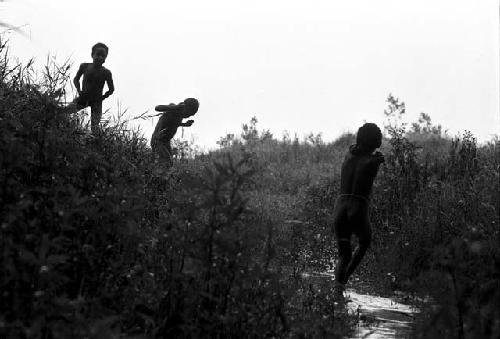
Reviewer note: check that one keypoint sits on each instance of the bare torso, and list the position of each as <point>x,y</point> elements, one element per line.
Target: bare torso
<point>93,81</point>
<point>167,126</point>
<point>358,173</point>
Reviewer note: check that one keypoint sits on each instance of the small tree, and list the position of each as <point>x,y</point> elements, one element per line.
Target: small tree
<point>250,132</point>
<point>393,113</point>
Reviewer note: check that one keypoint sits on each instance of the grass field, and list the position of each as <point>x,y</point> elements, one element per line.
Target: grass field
<point>100,240</point>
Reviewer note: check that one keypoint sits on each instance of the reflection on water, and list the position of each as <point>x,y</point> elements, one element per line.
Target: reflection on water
<point>380,317</point>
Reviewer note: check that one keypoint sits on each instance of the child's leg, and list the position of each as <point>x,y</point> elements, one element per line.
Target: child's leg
<point>165,152</point>
<point>95,116</point>
<point>169,157</point>
<point>343,235</point>
<point>345,254</point>
<point>365,237</point>
<point>155,144</point>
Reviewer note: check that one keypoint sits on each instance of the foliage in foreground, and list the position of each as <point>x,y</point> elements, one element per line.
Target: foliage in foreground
<point>435,214</point>
<point>443,229</point>
<point>99,240</point>
<point>444,234</point>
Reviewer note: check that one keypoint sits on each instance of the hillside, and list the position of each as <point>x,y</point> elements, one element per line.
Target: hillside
<point>100,240</point>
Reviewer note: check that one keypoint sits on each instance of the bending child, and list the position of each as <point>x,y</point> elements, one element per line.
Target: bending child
<point>94,76</point>
<point>359,170</point>
<point>169,122</point>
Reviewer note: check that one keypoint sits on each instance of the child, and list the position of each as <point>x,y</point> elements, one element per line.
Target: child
<point>168,124</point>
<point>358,172</point>
<point>94,77</point>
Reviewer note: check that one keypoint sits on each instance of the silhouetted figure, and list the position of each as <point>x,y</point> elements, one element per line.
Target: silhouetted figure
<point>359,170</point>
<point>168,124</point>
<point>94,76</point>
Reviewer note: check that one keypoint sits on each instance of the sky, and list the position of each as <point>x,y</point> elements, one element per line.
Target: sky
<point>298,66</point>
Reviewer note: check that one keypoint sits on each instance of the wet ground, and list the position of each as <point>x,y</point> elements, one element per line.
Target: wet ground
<point>378,317</point>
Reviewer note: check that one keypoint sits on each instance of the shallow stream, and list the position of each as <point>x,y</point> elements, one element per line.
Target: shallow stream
<point>378,317</point>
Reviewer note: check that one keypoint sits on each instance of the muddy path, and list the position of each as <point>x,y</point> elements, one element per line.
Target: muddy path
<point>378,317</point>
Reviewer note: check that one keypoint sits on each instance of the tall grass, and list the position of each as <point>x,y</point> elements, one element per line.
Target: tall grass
<point>435,214</point>
<point>100,240</point>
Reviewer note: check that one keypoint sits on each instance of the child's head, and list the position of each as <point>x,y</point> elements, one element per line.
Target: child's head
<point>190,107</point>
<point>99,53</point>
<point>369,137</point>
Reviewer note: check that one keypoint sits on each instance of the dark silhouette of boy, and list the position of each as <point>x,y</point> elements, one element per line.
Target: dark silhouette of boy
<point>94,76</point>
<point>358,172</point>
<point>167,126</point>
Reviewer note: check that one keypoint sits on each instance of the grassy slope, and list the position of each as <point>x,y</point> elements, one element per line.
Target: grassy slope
<point>97,237</point>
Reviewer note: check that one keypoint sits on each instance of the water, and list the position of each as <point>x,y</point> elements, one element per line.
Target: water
<point>378,317</point>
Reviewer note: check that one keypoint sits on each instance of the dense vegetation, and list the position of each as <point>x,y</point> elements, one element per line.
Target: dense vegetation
<point>100,240</point>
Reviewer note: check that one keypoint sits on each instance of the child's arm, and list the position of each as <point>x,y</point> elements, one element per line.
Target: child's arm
<point>111,86</point>
<point>76,80</point>
<point>187,123</point>
<point>165,108</point>
<point>378,157</point>
<point>374,164</point>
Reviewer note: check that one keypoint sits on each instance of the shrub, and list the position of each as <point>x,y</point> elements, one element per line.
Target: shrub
<point>98,239</point>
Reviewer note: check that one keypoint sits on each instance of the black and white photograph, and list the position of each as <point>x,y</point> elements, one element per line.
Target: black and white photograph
<point>282,169</point>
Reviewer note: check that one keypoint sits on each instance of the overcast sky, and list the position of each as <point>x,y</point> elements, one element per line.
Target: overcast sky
<point>302,66</point>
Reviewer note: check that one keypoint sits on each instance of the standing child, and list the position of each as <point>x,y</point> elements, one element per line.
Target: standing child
<point>359,170</point>
<point>94,76</point>
<point>169,122</point>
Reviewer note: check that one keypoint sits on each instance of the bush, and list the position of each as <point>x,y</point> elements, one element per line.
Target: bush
<point>100,240</point>
<point>437,218</point>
